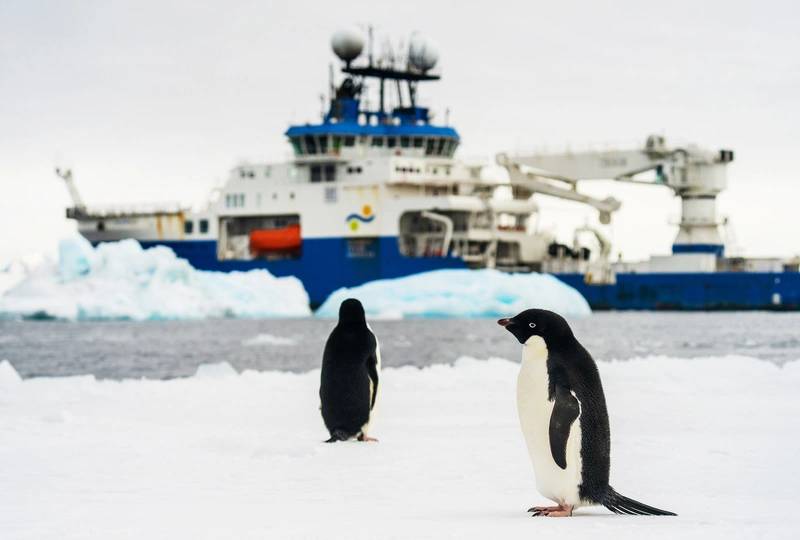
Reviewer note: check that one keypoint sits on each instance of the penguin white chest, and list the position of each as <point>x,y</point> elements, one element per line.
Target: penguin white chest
<point>534,407</point>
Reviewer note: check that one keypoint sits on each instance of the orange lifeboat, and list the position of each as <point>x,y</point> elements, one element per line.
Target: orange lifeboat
<point>283,239</point>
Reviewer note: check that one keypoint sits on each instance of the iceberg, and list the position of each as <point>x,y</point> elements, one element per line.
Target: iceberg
<point>461,293</point>
<point>121,280</point>
<point>10,276</point>
<point>12,273</point>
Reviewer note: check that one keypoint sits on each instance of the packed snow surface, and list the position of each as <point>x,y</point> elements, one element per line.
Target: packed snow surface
<point>461,293</point>
<point>227,455</point>
<point>121,280</point>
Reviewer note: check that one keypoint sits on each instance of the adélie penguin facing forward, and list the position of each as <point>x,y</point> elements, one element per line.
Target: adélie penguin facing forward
<point>349,379</point>
<point>563,416</point>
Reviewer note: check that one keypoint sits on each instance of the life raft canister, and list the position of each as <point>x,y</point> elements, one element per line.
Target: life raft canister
<point>283,239</point>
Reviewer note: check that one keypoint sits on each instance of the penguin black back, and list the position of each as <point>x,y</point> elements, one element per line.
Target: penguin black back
<point>572,371</point>
<point>349,378</point>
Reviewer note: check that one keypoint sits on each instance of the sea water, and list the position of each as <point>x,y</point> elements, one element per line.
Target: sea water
<point>169,349</point>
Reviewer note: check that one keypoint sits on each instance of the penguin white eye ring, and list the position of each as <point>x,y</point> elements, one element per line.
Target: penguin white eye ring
<point>532,325</point>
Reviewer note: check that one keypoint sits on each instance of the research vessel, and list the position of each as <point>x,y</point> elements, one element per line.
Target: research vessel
<point>374,191</point>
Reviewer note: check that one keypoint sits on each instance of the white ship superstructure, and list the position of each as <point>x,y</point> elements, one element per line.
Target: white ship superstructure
<point>376,193</point>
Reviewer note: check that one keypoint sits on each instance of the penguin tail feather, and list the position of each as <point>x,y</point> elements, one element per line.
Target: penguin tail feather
<point>338,435</point>
<point>620,504</point>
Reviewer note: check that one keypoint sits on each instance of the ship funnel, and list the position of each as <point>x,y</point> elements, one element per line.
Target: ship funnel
<point>347,44</point>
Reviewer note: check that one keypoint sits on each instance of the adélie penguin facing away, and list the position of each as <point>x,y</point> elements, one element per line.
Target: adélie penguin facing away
<point>349,379</point>
<point>563,416</point>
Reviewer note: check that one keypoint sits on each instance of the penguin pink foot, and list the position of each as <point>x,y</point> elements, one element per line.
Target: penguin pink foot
<point>552,511</point>
<point>544,509</point>
<point>364,438</point>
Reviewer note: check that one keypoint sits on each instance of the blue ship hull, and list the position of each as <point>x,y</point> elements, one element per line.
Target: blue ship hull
<point>325,266</point>
<point>694,291</point>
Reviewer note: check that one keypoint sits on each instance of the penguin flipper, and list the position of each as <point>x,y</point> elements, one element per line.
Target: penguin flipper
<point>372,370</point>
<point>373,366</point>
<point>566,410</point>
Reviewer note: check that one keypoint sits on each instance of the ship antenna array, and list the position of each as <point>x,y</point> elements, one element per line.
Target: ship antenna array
<point>421,57</point>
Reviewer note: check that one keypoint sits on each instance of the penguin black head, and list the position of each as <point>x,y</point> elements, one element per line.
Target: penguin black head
<point>537,322</point>
<point>351,314</point>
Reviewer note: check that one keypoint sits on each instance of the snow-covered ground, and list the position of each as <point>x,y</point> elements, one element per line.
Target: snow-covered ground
<point>226,455</point>
<point>460,293</point>
<point>120,280</point>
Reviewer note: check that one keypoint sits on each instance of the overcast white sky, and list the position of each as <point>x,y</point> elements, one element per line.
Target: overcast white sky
<point>152,101</point>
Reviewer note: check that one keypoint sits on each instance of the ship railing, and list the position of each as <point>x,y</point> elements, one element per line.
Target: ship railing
<point>130,210</point>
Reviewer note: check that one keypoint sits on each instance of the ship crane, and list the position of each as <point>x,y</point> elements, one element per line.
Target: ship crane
<point>77,200</point>
<point>528,180</point>
<point>695,175</point>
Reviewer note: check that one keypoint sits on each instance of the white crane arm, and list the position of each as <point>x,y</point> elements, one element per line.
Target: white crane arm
<point>539,181</point>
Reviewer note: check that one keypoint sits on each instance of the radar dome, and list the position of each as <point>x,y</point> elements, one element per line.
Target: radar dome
<point>421,53</point>
<point>347,44</point>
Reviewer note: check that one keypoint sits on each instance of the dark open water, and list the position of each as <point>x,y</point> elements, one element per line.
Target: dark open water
<point>175,349</point>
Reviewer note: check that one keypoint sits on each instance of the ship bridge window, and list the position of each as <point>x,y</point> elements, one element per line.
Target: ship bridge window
<point>440,148</point>
<point>297,146</point>
<point>349,140</point>
<point>451,149</point>
<point>405,142</point>
<point>430,144</point>
<point>311,144</point>
<point>336,143</point>
<point>323,144</point>
<point>418,142</point>
<point>316,173</point>
<point>330,172</point>
<point>203,226</point>
<point>391,142</point>
<point>188,226</point>
<point>377,141</point>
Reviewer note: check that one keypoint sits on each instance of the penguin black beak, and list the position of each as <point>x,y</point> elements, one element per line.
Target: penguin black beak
<point>504,322</point>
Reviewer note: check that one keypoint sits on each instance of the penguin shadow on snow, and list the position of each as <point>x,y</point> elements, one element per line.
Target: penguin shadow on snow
<point>351,364</point>
<point>564,420</point>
